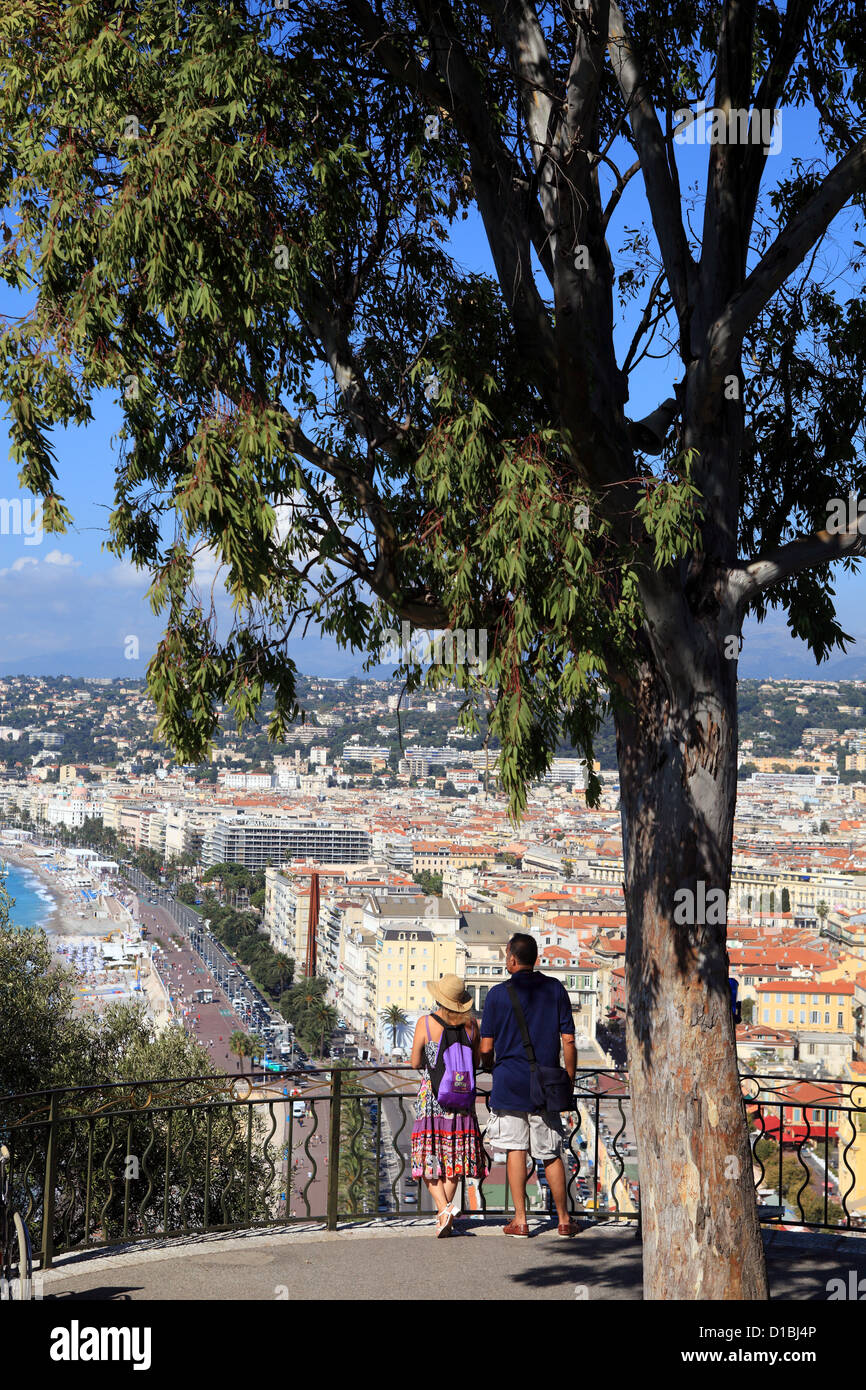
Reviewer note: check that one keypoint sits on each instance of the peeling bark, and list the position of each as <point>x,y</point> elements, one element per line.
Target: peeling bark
<point>677,760</point>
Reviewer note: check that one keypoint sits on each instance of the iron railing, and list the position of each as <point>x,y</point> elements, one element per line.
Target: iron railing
<point>106,1165</point>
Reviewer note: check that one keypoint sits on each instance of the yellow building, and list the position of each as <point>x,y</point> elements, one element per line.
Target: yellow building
<point>783,764</point>
<point>434,856</point>
<point>847,967</point>
<point>810,1007</point>
<point>401,962</point>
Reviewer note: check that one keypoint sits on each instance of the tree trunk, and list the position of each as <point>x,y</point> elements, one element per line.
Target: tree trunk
<point>677,749</point>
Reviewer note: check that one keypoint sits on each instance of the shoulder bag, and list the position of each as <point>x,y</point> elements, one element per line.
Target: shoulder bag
<point>550,1088</point>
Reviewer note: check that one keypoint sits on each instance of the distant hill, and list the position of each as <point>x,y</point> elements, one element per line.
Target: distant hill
<point>92,661</point>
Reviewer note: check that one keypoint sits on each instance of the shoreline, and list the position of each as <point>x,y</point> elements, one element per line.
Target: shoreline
<point>61,914</point>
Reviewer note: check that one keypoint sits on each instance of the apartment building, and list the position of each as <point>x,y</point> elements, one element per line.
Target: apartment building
<point>287,910</point>
<point>820,1014</point>
<point>439,915</point>
<point>354,991</point>
<point>257,842</point>
<point>436,856</point>
<point>751,888</point>
<point>256,781</point>
<point>567,772</point>
<point>401,961</point>
<point>186,828</point>
<point>484,935</point>
<point>398,853</point>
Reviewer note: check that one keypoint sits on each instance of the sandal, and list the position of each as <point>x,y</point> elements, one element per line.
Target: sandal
<point>444,1222</point>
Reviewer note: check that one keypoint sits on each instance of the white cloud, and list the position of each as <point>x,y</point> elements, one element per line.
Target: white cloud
<point>122,576</point>
<point>60,557</point>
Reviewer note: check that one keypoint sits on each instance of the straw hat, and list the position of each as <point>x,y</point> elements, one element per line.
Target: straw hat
<point>451,993</point>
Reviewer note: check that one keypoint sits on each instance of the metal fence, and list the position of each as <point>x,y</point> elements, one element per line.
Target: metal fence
<point>171,1157</point>
<point>104,1165</point>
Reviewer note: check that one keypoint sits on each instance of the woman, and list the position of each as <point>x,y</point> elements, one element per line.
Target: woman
<point>446,1144</point>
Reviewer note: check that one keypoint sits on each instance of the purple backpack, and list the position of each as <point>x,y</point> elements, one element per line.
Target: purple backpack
<point>452,1075</point>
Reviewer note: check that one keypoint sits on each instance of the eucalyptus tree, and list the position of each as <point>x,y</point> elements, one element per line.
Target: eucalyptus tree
<point>242,222</point>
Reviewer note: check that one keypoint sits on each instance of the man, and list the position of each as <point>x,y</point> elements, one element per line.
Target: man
<point>514,1127</point>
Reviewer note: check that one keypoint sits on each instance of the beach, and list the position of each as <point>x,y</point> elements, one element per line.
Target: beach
<point>53,902</point>
<point>65,914</point>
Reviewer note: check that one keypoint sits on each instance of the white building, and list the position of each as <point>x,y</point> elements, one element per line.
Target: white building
<point>71,813</point>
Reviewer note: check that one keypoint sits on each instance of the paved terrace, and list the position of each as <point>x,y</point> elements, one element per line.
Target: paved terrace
<point>396,1260</point>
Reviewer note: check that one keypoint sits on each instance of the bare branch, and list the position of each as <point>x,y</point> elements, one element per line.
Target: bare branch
<point>751,577</point>
<point>621,181</point>
<point>645,319</point>
<point>768,96</point>
<point>661,194</point>
<point>510,214</point>
<point>786,253</point>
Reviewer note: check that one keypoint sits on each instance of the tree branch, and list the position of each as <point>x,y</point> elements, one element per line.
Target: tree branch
<point>751,577</point>
<point>783,257</point>
<point>421,608</point>
<point>621,181</point>
<point>645,319</point>
<point>768,96</point>
<point>661,194</point>
<point>367,414</point>
<point>723,245</point>
<point>500,184</point>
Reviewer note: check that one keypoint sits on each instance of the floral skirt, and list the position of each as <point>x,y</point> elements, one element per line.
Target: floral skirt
<point>445,1143</point>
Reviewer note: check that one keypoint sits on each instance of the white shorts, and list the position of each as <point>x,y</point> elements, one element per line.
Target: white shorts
<point>539,1134</point>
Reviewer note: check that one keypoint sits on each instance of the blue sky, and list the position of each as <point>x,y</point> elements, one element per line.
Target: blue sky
<point>68,607</point>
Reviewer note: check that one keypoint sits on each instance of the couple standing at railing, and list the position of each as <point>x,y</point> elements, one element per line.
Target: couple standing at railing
<point>524,1022</point>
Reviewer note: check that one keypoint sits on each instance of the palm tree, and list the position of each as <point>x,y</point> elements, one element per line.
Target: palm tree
<point>394,1018</point>
<point>323,1020</point>
<point>822,910</point>
<point>302,997</point>
<point>238,1045</point>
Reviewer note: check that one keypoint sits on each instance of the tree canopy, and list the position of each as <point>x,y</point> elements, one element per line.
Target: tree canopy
<point>238,222</point>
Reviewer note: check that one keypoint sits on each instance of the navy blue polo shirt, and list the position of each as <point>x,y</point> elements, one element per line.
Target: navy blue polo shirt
<point>548,1014</point>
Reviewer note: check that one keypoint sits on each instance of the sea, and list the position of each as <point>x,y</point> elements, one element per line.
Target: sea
<point>33,903</point>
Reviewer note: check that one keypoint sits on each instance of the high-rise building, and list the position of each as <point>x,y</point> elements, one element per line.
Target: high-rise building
<point>257,842</point>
